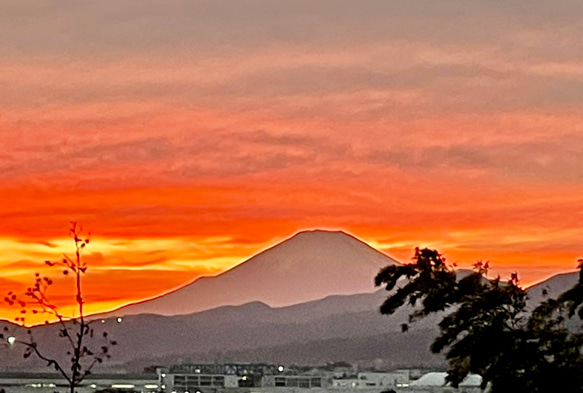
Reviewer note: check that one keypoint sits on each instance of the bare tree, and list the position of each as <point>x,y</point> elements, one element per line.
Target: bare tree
<point>85,347</point>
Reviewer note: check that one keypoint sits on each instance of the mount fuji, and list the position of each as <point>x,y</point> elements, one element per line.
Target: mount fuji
<point>308,266</point>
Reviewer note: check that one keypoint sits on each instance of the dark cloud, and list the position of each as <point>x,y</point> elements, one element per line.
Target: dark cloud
<point>554,159</point>
<point>190,155</point>
<point>102,28</point>
<point>458,56</point>
<point>39,242</point>
<point>263,137</point>
<point>95,156</point>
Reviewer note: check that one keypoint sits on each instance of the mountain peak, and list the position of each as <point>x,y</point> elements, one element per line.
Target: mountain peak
<point>322,235</point>
<point>318,249</point>
<point>309,265</point>
<point>320,232</point>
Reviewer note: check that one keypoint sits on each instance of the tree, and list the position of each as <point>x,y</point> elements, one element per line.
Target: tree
<point>488,329</point>
<point>76,330</point>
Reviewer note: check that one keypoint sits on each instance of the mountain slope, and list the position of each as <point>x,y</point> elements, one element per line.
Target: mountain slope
<point>340,327</point>
<point>250,331</point>
<point>308,266</point>
<point>551,287</point>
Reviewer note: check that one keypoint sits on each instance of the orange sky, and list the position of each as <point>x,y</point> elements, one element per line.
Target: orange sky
<point>187,136</point>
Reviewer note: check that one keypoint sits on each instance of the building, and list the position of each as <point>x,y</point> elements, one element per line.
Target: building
<point>394,379</point>
<point>268,378</point>
<point>210,378</point>
<point>214,378</point>
<point>435,382</point>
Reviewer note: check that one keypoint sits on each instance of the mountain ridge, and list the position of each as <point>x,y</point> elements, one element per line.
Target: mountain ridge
<point>338,327</point>
<point>307,266</point>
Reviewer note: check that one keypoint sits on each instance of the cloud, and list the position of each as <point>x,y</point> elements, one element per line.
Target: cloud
<point>93,157</point>
<point>159,26</point>
<point>188,155</point>
<point>473,56</point>
<point>39,242</point>
<point>557,159</point>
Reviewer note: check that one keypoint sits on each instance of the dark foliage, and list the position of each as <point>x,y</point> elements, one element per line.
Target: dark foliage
<point>488,329</point>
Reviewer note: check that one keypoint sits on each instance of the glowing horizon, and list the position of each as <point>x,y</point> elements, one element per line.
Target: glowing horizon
<point>148,274</point>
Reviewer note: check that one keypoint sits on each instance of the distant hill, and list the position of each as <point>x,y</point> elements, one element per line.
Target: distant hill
<point>348,326</point>
<point>340,327</point>
<point>308,266</point>
<point>551,287</point>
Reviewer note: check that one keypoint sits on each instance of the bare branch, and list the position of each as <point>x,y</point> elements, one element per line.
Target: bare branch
<point>75,330</point>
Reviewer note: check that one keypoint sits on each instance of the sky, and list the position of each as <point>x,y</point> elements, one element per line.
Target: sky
<point>186,136</point>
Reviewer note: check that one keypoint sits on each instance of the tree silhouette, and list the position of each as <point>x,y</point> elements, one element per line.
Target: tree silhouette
<point>488,328</point>
<point>75,330</point>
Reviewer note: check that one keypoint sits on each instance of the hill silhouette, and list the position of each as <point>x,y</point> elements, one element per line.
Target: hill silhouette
<point>308,266</point>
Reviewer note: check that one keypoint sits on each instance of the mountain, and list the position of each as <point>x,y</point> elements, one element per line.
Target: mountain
<point>308,266</point>
<point>339,327</point>
<point>551,287</point>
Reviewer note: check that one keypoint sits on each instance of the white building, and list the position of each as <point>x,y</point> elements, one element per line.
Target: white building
<point>435,382</point>
<point>392,379</point>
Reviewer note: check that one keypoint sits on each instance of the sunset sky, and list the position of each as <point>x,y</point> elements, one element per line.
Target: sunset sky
<point>188,135</point>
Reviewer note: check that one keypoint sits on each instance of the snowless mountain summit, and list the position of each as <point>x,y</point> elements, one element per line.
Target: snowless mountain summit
<point>551,288</point>
<point>308,266</point>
